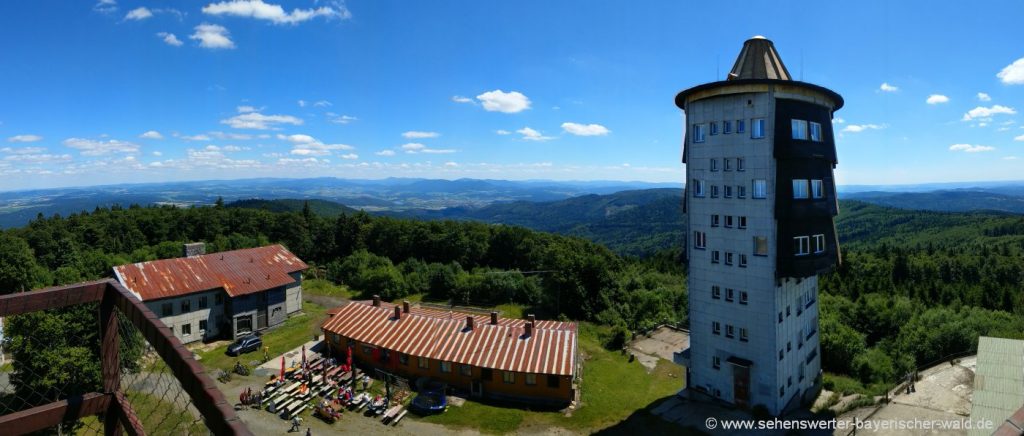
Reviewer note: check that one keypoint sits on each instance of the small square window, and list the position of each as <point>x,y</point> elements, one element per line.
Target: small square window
<point>729,331</point>
<point>423,362</point>
<point>728,221</point>
<point>186,330</point>
<point>727,164</point>
<point>698,133</point>
<point>202,326</point>
<point>729,294</point>
<point>760,246</point>
<point>446,367</point>
<point>714,165</point>
<point>743,297</point>
<point>799,128</point>
<point>726,127</point>
<point>800,189</point>
<point>714,128</point>
<point>743,261</point>
<point>741,191</point>
<point>531,379</point>
<point>757,128</point>
<point>760,188</point>
<point>817,189</point>
<point>403,358</point>
<point>819,244</point>
<point>740,164</point>
<point>742,222</point>
<point>728,191</point>
<point>186,305</point>
<point>716,362</point>
<point>728,257</point>
<point>715,256</point>
<point>714,220</point>
<point>741,126</point>
<point>714,191</point>
<point>700,240</point>
<point>801,245</point>
<point>698,188</point>
<point>815,132</point>
<point>743,335</point>
<point>508,377</point>
<point>716,292</point>
<point>716,328</point>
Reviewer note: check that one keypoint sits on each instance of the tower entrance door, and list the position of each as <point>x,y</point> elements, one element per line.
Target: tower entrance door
<point>740,381</point>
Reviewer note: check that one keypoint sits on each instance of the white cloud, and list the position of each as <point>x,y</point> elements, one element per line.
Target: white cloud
<point>158,153</point>
<point>212,36</point>
<point>413,147</point>
<point>585,129</point>
<point>22,150</point>
<point>349,156</point>
<point>105,6</point>
<point>984,97</point>
<point>936,99</point>
<point>323,103</point>
<point>258,121</point>
<point>502,132</point>
<point>532,135</point>
<point>437,151</point>
<point>25,138</point>
<point>138,14</point>
<point>857,128</point>
<point>90,147</point>
<point>461,99</point>
<point>385,153</point>
<point>170,39</point>
<point>1013,74</point>
<point>199,137</point>
<point>838,120</point>
<point>968,148</point>
<point>152,134</point>
<point>305,145</point>
<point>413,134</point>
<point>886,87</point>
<point>234,136</point>
<point>36,158</point>
<point>340,119</point>
<point>451,164</point>
<point>274,13</point>
<point>243,109</point>
<point>1019,138</point>
<point>1010,158</point>
<point>302,103</point>
<point>234,148</point>
<point>986,112</point>
<point>501,101</point>
<point>303,162</point>
<point>297,138</point>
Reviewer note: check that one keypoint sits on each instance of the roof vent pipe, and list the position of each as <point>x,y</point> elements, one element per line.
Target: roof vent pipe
<point>376,301</point>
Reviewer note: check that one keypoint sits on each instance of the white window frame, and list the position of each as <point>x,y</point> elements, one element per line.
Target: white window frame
<point>186,329</point>
<point>728,191</point>
<point>714,191</point>
<point>698,188</point>
<point>714,220</point>
<point>716,362</point>
<point>730,331</point>
<point>757,128</point>
<point>741,222</point>
<point>728,221</point>
<point>744,297</point>
<point>698,133</point>
<point>700,239</point>
<point>713,127</point>
<point>730,294</point>
<point>726,127</point>
<point>716,256</point>
<point>815,129</point>
<point>740,126</point>
<point>740,164</point>
<point>799,128</point>
<point>801,245</point>
<point>801,189</point>
<point>728,257</point>
<point>716,292</point>
<point>744,337</point>
<point>743,260</point>
<point>741,191</point>
<point>716,328</point>
<point>817,188</point>
<point>714,165</point>
<point>726,164</point>
<point>757,193</point>
<point>819,244</point>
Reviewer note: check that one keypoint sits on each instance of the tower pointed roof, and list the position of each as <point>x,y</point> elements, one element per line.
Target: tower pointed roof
<point>759,60</point>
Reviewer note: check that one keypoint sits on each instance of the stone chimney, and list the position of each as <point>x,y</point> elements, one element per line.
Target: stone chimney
<point>195,249</point>
<point>532,318</point>
<point>405,306</point>
<point>529,329</point>
<point>469,322</point>
<point>376,301</point>
<point>398,312</point>
<point>494,318</point>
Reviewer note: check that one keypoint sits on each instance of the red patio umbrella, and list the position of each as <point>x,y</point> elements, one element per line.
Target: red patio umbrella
<point>303,357</point>
<point>282,368</point>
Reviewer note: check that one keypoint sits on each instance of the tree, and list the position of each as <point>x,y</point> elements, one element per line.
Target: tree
<point>840,344</point>
<point>16,264</point>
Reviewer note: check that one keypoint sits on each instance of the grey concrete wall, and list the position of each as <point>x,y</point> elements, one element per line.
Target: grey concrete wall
<point>276,311</point>
<point>192,317</point>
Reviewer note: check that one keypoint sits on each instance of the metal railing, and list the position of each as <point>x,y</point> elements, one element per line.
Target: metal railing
<point>148,379</point>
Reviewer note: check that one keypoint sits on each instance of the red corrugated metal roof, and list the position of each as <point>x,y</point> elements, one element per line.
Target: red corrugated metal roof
<point>239,272</point>
<point>441,335</point>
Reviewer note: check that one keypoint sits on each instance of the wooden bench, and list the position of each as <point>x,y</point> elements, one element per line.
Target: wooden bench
<point>297,411</point>
<point>391,413</point>
<point>399,417</point>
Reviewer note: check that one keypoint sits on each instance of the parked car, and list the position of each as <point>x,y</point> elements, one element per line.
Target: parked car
<point>245,344</point>
<point>429,402</point>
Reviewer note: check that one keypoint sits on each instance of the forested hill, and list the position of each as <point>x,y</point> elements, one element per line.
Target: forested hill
<point>954,200</point>
<point>863,225</point>
<point>319,207</point>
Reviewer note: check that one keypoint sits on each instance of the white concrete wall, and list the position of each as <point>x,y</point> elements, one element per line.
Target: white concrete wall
<point>178,318</point>
<point>294,294</point>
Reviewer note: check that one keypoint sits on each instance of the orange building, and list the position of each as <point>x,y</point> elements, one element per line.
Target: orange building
<point>489,357</point>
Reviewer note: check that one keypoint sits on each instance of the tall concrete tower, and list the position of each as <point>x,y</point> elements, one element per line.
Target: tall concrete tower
<point>760,198</point>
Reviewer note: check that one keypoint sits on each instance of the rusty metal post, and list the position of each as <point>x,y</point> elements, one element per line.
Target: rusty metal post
<point>109,356</point>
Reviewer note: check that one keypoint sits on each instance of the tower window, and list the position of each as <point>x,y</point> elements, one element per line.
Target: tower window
<point>743,297</point>
<point>727,164</point>
<point>714,220</point>
<point>729,294</point>
<point>716,327</point>
<point>728,220</point>
<point>742,222</point>
<point>741,191</point>
<point>716,362</point>
<point>760,189</point>
<point>815,132</point>
<point>728,261</point>
<point>760,245</point>
<point>819,243</point>
<point>782,354</point>
<point>716,256</point>
<point>698,188</point>
<point>729,332</point>
<point>714,164</point>
<point>743,335</point>
<point>700,240</point>
<point>800,188</point>
<point>740,126</point>
<point>799,129</point>
<point>716,292</point>
<point>698,133</point>
<point>757,128</point>
<point>714,128</point>
<point>728,191</point>
<point>817,188</point>
<point>726,127</point>
<point>801,245</point>
<point>714,191</point>
<point>743,260</point>
<point>740,166</point>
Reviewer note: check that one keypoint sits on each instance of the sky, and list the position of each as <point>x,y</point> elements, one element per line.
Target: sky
<point>112,91</point>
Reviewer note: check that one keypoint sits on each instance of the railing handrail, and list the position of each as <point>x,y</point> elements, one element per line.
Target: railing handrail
<point>218,414</point>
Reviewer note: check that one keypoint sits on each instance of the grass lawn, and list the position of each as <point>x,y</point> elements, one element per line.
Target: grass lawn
<point>514,311</point>
<point>327,289</point>
<point>157,416</point>
<point>294,332</point>
<point>614,390</point>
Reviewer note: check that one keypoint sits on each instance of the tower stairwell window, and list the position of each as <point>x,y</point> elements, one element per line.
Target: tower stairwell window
<point>800,189</point>
<point>757,128</point>
<point>760,246</point>
<point>799,129</point>
<point>698,133</point>
<point>759,189</point>
<point>698,188</point>
<point>815,132</point>
<point>700,240</point>
<point>801,245</point>
<point>819,243</point>
<point>817,189</point>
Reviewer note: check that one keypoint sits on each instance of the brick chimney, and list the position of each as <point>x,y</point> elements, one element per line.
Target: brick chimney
<point>494,318</point>
<point>376,301</point>
<point>529,329</point>
<point>405,306</point>
<point>532,318</point>
<point>195,249</point>
<point>469,322</point>
<point>398,312</point>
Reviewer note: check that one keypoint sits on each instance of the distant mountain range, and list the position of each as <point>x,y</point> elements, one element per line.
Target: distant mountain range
<point>1003,199</point>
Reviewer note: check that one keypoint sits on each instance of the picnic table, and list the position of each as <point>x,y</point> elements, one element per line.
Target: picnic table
<point>391,413</point>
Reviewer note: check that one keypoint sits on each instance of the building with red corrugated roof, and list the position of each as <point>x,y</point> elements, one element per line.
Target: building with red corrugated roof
<point>204,296</point>
<point>523,360</point>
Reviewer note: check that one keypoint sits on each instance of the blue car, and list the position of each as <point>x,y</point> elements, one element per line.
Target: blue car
<point>429,402</point>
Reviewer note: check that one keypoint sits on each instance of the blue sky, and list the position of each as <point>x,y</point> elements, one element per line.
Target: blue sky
<point>96,92</point>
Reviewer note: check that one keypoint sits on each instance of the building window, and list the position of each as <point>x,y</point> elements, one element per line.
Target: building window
<point>203,302</point>
<point>743,335</point>
<point>202,326</point>
<point>729,292</point>
<point>166,309</point>
<point>423,362</point>
<point>531,379</point>
<point>714,128</point>
<point>800,339</point>
<point>714,164</point>
<point>727,164</point>
<point>186,329</point>
<point>716,292</point>
<point>700,240</point>
<point>780,317</point>
<point>799,129</point>
<point>716,327</point>
<point>801,245</point>
<point>740,126</point>
<point>742,222</point>
<point>716,362</point>
<point>726,127</point>
<point>782,391</point>
<point>800,189</point>
<point>186,305</point>
<point>760,245</point>
<point>760,189</point>
<point>714,191</point>
<point>743,260</point>
<point>714,220</point>
<point>789,346</point>
<point>817,189</point>
<point>740,164</point>
<point>729,331</point>
<point>446,367</point>
<point>698,133</point>
<point>741,191</point>
<point>743,297</point>
<point>698,188</point>
<point>728,191</point>
<point>367,350</point>
<point>218,299</point>
<point>757,128</point>
<point>781,354</point>
<point>728,258</point>
<point>815,132</point>
<point>508,377</point>
<point>819,244</point>
<point>728,221</point>
<point>716,256</point>
<point>403,358</point>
